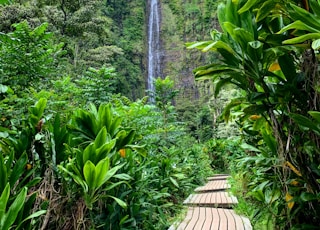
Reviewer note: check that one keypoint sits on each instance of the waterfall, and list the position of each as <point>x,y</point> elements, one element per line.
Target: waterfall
<point>153,44</point>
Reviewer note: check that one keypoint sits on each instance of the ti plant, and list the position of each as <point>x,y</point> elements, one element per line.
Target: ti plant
<point>97,138</point>
<point>87,124</point>
<point>269,50</point>
<point>91,169</point>
<point>11,212</point>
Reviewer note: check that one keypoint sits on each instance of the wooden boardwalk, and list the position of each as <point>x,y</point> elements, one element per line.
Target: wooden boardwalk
<point>214,185</point>
<point>210,209</point>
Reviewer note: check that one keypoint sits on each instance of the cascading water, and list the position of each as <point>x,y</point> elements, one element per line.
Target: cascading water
<point>153,44</point>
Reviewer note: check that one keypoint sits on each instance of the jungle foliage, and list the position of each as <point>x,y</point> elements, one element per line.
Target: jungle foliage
<point>75,153</point>
<point>269,49</point>
<point>120,165</point>
<point>92,34</point>
<point>81,148</point>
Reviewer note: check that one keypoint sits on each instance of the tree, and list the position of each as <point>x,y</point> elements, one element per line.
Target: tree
<point>28,55</point>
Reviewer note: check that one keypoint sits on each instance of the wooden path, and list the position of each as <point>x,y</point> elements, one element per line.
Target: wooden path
<point>210,208</point>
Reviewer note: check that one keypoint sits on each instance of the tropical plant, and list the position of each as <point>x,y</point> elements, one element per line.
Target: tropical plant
<point>98,85</point>
<point>10,213</point>
<point>266,54</point>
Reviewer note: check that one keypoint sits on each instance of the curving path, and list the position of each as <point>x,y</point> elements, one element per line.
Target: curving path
<point>210,208</point>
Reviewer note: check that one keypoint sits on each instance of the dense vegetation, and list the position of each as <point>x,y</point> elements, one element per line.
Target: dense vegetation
<point>75,153</point>
<point>269,50</point>
<point>81,147</point>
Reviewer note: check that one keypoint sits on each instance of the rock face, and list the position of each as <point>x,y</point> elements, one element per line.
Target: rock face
<point>180,22</point>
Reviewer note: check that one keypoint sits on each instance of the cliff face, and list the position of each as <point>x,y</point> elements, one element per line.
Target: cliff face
<point>115,33</point>
<point>185,21</point>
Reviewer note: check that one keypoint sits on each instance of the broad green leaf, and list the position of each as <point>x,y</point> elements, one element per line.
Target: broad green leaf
<point>33,215</point>
<point>272,195</point>
<point>101,138</point>
<point>123,220</point>
<point>105,116</point>
<point>258,194</point>
<point>174,182</point>
<point>315,115</point>
<point>115,126</point>
<point>119,201</point>
<point>220,84</point>
<point>212,70</point>
<point>249,4</point>
<point>89,173</point>
<point>198,45</point>
<point>305,122</point>
<point>288,67</point>
<point>3,173</point>
<point>298,25</point>
<point>112,171</point>
<point>113,185</point>
<point>13,210</point>
<point>221,15</point>
<point>259,124</point>
<point>256,44</point>
<point>265,10</point>
<point>214,46</point>
<point>302,38</point>
<point>139,148</point>
<point>88,154</point>
<point>33,182</point>
<point>270,141</point>
<point>128,139</point>
<point>103,151</point>
<point>305,16</point>
<point>76,178</point>
<point>18,169</point>
<point>38,109</point>
<point>230,12</point>
<point>40,29</point>
<point>4,199</point>
<point>306,196</point>
<point>315,6</point>
<point>101,171</point>
<point>251,148</point>
<point>227,110</point>
<point>123,176</point>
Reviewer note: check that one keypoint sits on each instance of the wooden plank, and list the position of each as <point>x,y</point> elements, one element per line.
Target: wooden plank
<point>231,221</point>
<point>215,185</point>
<point>215,199</point>
<point>192,223</point>
<point>185,222</point>
<point>198,198</point>
<point>246,223</point>
<point>202,218</point>
<point>209,218</point>
<point>237,219</point>
<point>223,220</point>
<point>204,198</point>
<point>218,177</point>
<point>215,219</point>
<point>218,199</point>
<point>188,200</point>
<point>205,218</point>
